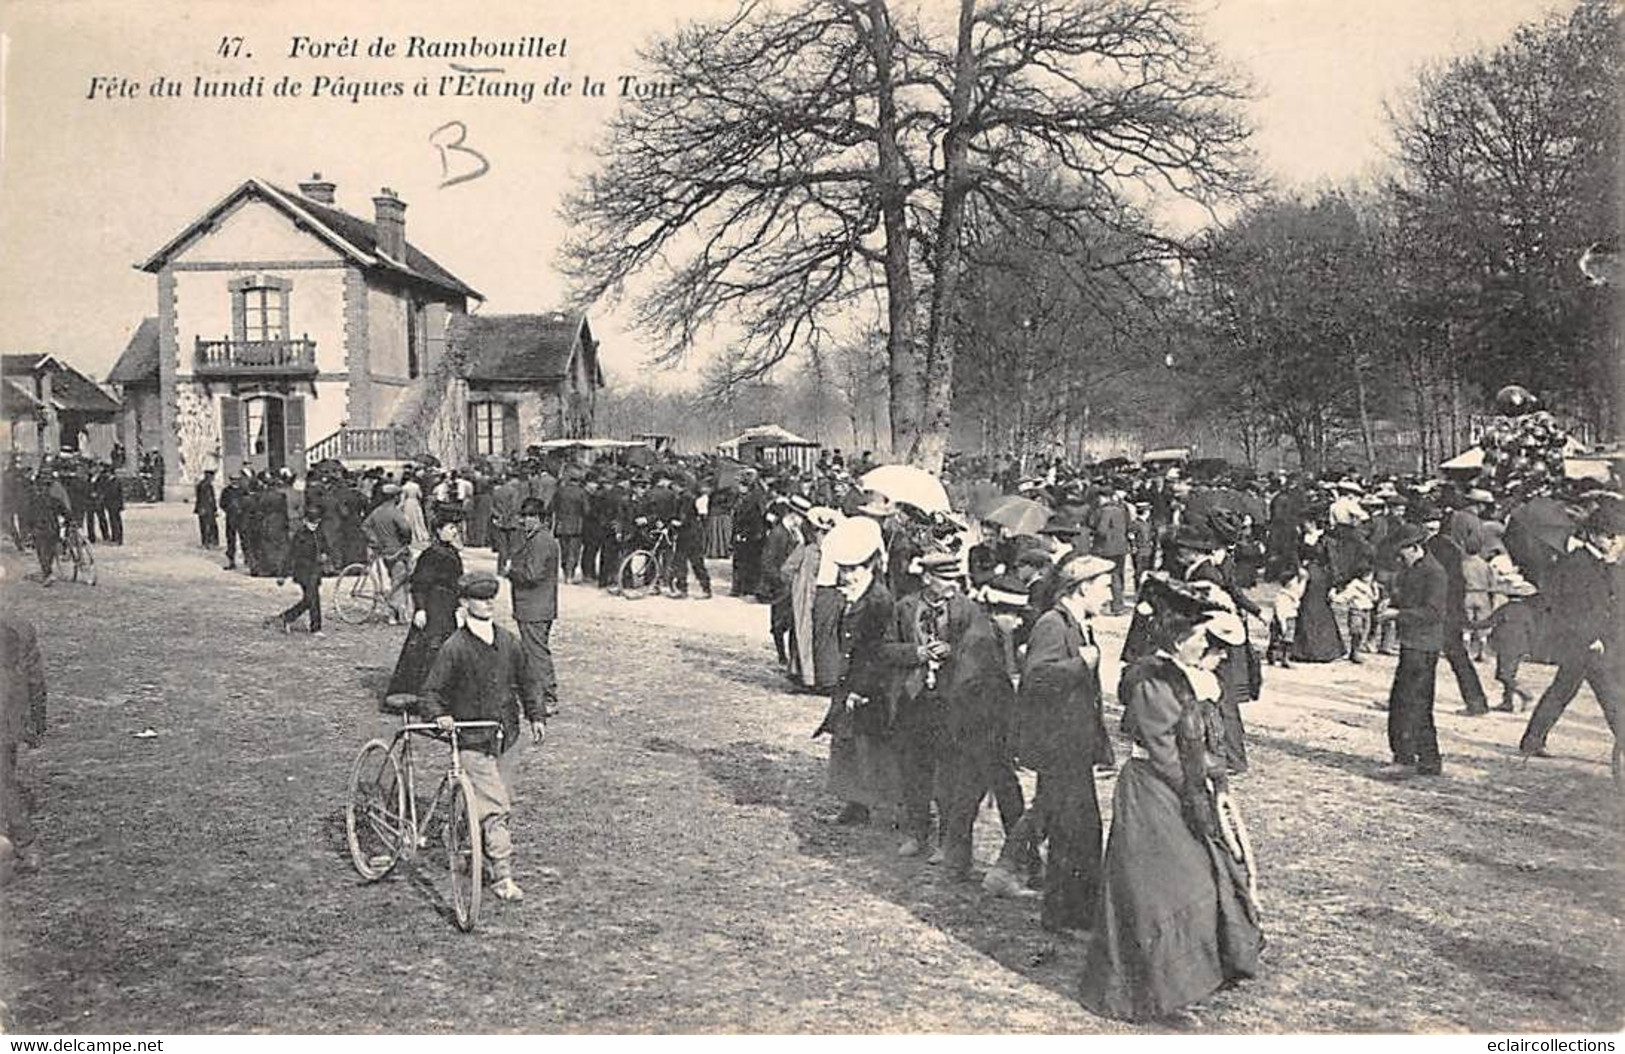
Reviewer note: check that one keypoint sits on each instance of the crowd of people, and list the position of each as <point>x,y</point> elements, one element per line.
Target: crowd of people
<point>65,492</point>
<point>955,649</point>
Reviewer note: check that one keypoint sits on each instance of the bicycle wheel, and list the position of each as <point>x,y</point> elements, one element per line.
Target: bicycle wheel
<point>638,573</point>
<point>355,595</point>
<point>465,854</point>
<point>375,814</point>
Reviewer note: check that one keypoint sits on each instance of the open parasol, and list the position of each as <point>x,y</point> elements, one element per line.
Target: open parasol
<point>1017,515</point>
<point>906,483</point>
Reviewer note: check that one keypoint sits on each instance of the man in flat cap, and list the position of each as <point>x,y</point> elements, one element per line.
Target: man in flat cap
<point>482,674</point>
<point>953,715</point>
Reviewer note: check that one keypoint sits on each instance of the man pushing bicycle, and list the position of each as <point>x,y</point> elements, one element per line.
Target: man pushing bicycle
<point>482,674</point>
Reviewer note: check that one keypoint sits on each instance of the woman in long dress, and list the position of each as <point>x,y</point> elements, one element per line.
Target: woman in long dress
<point>801,571</point>
<point>864,769</point>
<point>1176,921</point>
<point>434,595</point>
<point>1317,638</point>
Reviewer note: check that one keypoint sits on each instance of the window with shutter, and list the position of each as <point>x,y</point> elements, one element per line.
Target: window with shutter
<point>231,434</point>
<point>293,422</point>
<point>510,430</point>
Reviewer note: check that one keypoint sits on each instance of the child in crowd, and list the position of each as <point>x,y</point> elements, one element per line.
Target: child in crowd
<point>1284,618</point>
<point>1360,596</point>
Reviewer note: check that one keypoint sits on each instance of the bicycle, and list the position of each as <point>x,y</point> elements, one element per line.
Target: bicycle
<point>647,567</point>
<point>76,551</point>
<point>361,592</point>
<point>384,826</point>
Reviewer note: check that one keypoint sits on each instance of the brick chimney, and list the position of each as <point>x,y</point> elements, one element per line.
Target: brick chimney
<point>318,189</point>
<point>391,224</point>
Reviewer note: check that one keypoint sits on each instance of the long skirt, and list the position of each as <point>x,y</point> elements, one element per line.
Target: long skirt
<point>865,770</point>
<point>826,636</point>
<point>416,659</point>
<point>1174,923</point>
<point>1317,639</point>
<point>719,533</point>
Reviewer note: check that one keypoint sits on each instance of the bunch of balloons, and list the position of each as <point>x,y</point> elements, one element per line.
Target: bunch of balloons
<point>1523,445</point>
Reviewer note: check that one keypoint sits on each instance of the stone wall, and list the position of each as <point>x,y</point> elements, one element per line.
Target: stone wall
<point>197,432</point>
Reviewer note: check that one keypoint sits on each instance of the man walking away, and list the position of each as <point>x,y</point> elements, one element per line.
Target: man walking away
<point>569,516</point>
<point>1585,633</point>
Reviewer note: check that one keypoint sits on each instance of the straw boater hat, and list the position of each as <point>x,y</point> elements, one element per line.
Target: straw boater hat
<point>823,517</point>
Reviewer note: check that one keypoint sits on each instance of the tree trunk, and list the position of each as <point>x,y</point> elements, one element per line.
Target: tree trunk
<point>936,411</point>
<point>904,363</point>
<point>1365,417</point>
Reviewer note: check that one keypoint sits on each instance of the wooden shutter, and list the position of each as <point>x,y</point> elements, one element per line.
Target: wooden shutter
<point>231,435</point>
<point>293,422</point>
<point>510,430</point>
<point>473,432</point>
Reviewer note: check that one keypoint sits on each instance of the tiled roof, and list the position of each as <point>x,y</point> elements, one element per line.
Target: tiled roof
<point>70,389</point>
<point>522,347</point>
<point>140,359</point>
<point>355,237</point>
<point>363,234</point>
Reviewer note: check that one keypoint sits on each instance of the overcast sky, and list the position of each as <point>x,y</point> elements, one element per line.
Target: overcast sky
<point>89,188</point>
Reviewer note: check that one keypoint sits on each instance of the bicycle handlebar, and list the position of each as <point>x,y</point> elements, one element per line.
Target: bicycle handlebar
<point>432,727</point>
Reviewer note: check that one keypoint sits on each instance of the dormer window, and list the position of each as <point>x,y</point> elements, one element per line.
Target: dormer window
<point>259,308</point>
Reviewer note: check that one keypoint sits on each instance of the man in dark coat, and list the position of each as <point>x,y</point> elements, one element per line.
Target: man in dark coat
<point>1059,728</point>
<point>954,712</point>
<point>206,511</point>
<point>771,585</point>
<point>1586,626</point>
<point>533,572</point>
<point>303,563</point>
<point>505,502</point>
<point>750,529</point>
<point>610,510</point>
<point>1420,594</point>
<point>690,541</point>
<point>434,598</point>
<point>232,499</point>
<point>592,530</point>
<point>1111,542</point>
<point>109,499</point>
<point>569,516</point>
<point>1449,555</point>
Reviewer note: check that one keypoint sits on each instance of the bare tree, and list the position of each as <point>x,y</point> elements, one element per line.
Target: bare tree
<point>820,153</point>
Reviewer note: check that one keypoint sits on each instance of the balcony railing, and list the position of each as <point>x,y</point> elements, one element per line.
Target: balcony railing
<point>255,358</point>
<point>364,444</point>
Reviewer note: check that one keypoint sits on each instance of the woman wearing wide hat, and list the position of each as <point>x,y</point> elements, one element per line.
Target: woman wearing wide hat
<point>1177,918</point>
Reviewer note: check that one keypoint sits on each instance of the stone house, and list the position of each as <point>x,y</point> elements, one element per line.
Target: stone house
<point>288,330</point>
<point>49,406</point>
